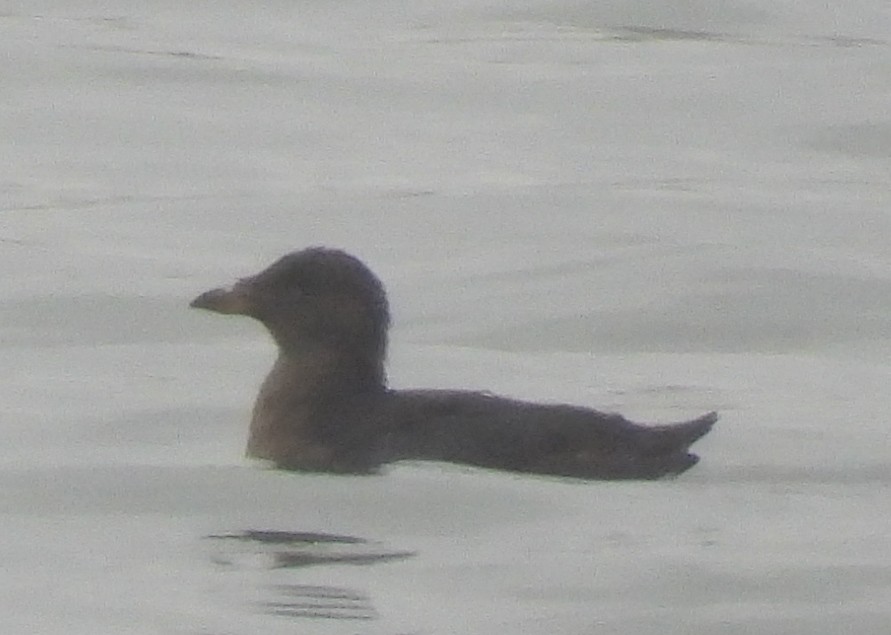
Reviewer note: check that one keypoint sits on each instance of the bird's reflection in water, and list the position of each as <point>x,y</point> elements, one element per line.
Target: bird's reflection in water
<point>271,549</point>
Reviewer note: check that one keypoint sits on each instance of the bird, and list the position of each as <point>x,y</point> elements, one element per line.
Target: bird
<point>326,405</point>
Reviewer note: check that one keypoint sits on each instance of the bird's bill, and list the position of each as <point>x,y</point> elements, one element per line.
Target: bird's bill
<point>233,300</point>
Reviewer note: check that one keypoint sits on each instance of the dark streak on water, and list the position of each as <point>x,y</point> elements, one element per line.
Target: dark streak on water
<point>287,537</point>
<point>289,549</point>
<point>319,602</point>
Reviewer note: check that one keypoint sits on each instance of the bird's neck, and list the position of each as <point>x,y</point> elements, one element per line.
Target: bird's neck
<point>325,373</point>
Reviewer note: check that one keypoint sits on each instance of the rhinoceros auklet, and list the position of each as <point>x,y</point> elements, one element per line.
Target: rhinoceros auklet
<point>325,406</point>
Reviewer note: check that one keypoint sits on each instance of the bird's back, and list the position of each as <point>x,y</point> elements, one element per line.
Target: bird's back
<point>489,431</point>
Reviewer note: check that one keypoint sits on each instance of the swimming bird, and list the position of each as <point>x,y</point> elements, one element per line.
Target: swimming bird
<point>326,406</point>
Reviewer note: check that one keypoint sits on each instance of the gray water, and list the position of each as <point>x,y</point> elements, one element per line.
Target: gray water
<point>659,210</point>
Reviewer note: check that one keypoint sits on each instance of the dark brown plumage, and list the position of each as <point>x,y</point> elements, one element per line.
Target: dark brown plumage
<point>325,406</point>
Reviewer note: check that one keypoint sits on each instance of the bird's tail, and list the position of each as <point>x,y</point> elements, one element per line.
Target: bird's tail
<point>674,438</point>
